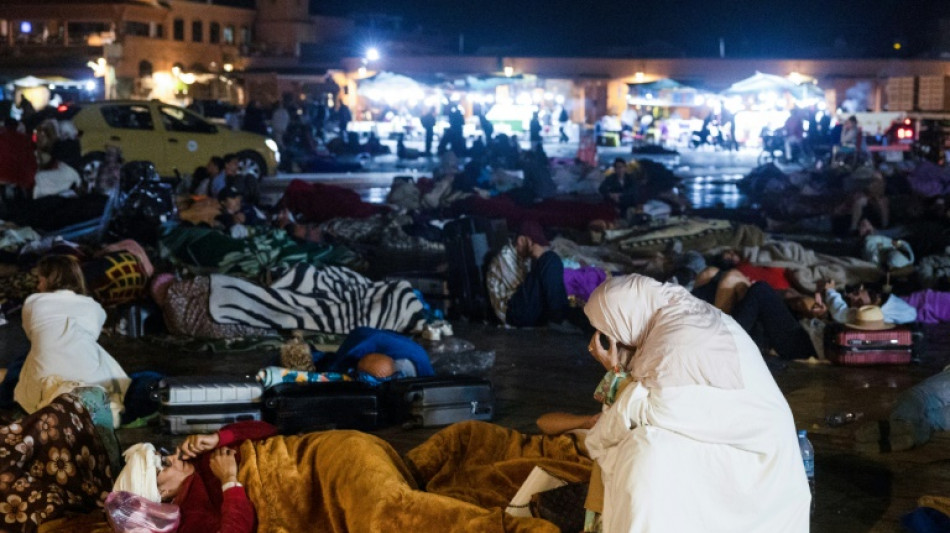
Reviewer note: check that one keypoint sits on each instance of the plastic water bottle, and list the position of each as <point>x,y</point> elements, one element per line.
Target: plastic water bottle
<point>808,457</point>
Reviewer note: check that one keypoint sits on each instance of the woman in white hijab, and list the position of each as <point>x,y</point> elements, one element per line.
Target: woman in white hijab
<point>699,436</point>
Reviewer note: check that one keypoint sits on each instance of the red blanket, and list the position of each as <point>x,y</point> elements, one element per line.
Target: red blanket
<point>318,202</point>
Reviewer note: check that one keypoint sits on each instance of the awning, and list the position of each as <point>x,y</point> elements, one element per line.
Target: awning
<point>665,92</point>
<point>761,83</point>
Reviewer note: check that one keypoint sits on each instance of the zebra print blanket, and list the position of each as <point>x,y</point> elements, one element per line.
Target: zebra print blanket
<point>330,299</point>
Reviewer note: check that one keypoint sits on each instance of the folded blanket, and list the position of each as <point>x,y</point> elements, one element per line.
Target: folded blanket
<point>330,299</point>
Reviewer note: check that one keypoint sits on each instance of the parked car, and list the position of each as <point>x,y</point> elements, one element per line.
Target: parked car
<point>172,138</point>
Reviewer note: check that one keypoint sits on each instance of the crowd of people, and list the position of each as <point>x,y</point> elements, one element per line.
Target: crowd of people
<point>686,337</point>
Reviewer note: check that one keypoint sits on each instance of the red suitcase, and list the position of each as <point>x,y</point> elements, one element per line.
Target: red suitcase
<point>854,347</point>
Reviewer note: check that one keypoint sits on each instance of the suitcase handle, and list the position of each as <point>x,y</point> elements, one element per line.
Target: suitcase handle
<point>222,420</point>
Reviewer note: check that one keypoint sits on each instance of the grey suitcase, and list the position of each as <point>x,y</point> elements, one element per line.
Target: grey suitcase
<point>200,404</point>
<point>440,401</point>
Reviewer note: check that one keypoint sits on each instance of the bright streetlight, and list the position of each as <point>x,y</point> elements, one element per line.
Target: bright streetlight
<point>372,54</point>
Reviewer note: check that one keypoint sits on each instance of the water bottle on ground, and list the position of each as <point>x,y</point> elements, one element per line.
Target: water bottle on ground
<point>808,457</point>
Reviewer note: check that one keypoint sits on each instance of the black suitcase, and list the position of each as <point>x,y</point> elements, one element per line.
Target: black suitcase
<point>303,407</point>
<point>439,401</point>
<point>470,243</point>
<point>200,404</point>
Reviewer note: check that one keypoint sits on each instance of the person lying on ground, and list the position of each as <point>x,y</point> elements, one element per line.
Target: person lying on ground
<point>758,308</point>
<point>350,481</point>
<point>367,354</point>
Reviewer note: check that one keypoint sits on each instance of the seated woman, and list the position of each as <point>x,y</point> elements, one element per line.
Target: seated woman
<point>63,325</point>
<point>757,308</point>
<point>696,422</point>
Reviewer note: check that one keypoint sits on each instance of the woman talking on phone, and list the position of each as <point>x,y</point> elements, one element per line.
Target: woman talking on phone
<point>694,434</point>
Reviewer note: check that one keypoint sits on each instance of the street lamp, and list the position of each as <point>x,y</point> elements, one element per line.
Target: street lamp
<point>372,54</point>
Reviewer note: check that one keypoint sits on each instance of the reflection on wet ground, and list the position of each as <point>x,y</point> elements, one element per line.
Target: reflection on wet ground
<point>718,191</point>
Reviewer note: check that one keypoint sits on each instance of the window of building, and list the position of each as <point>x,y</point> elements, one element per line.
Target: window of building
<point>128,117</point>
<point>177,119</point>
<point>158,30</point>
<point>79,32</point>
<point>197,31</point>
<point>178,29</point>
<point>245,35</point>
<point>214,33</point>
<point>139,29</point>
<point>229,34</point>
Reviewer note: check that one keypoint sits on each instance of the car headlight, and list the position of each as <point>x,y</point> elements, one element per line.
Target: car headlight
<point>272,145</point>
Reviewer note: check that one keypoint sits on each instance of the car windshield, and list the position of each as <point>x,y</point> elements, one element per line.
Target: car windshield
<point>130,117</point>
<point>177,119</point>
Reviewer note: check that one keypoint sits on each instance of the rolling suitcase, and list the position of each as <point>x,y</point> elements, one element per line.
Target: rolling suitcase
<point>439,401</point>
<point>200,404</point>
<point>853,347</point>
<point>470,243</point>
<point>303,407</point>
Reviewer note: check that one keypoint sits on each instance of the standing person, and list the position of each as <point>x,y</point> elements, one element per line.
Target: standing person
<point>535,130</point>
<point>488,129</point>
<point>794,134</point>
<point>63,325</point>
<point>279,122</point>
<point>318,115</point>
<point>457,131</point>
<point>692,418</point>
<point>344,116</point>
<point>254,120</point>
<point>428,124</point>
<point>562,120</point>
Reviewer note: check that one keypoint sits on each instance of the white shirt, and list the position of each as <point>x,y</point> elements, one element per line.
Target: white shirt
<point>63,328</point>
<point>895,310</point>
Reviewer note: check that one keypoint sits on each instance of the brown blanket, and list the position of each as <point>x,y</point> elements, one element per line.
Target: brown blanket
<point>342,481</point>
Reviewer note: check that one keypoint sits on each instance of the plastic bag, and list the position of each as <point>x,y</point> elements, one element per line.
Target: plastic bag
<point>926,406</point>
<point>467,363</point>
<point>129,513</point>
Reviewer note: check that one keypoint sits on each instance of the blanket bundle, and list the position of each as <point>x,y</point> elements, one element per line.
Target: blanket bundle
<point>330,299</point>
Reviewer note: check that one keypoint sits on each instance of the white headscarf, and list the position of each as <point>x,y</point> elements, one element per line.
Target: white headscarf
<point>140,475</point>
<point>678,339</point>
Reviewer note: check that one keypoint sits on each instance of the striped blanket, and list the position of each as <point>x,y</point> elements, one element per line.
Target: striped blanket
<point>330,299</point>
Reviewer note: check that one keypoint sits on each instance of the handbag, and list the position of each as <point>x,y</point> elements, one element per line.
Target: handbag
<point>562,506</point>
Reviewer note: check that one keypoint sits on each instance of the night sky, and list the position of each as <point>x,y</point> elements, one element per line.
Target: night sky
<point>751,28</point>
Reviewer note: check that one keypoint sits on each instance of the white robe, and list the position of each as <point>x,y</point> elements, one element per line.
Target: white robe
<point>703,441</point>
<point>63,328</point>
<point>703,459</point>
